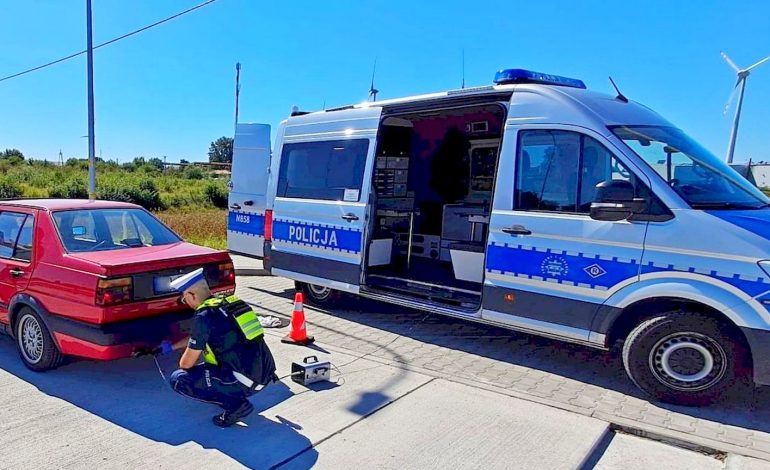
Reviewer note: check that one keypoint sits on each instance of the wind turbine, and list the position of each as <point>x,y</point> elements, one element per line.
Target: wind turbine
<point>742,74</point>
<point>373,91</point>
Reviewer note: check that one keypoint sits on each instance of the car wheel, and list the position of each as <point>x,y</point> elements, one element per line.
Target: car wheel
<point>36,347</point>
<point>683,358</point>
<point>319,295</point>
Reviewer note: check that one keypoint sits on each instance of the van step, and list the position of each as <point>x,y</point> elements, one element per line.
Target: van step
<point>409,301</point>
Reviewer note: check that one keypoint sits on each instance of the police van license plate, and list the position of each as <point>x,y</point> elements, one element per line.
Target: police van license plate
<point>162,284</point>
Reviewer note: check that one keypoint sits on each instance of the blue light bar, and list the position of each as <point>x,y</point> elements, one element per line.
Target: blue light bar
<point>511,76</point>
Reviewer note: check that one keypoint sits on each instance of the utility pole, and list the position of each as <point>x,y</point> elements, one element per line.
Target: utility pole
<point>61,158</point>
<point>237,89</point>
<point>91,137</point>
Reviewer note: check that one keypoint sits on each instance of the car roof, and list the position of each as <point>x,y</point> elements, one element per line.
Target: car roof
<point>66,204</point>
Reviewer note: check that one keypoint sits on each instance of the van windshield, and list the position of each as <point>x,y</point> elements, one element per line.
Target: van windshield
<point>702,179</point>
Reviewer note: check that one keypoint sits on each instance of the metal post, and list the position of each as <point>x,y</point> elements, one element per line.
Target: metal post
<point>734,132</point>
<point>237,89</point>
<point>91,137</point>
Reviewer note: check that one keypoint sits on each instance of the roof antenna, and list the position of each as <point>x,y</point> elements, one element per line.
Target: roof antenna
<point>373,91</point>
<point>463,85</point>
<point>620,96</point>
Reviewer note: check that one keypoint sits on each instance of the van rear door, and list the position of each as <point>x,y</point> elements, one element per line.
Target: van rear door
<point>248,188</point>
<point>322,192</point>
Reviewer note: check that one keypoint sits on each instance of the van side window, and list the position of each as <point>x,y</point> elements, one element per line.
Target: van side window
<point>559,170</point>
<point>547,171</point>
<point>329,170</point>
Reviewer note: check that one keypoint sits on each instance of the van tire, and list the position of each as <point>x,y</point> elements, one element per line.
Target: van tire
<point>318,295</point>
<point>34,342</point>
<point>683,358</point>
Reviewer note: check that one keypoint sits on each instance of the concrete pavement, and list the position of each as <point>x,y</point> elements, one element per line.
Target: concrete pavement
<point>121,414</point>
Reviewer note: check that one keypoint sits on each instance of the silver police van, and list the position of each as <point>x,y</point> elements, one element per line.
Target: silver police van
<point>532,204</point>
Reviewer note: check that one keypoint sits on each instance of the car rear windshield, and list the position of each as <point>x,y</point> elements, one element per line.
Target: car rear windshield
<point>110,229</point>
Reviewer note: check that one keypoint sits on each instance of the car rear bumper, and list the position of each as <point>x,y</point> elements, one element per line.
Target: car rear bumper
<point>117,340</point>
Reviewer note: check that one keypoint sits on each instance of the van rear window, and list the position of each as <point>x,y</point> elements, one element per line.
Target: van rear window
<point>330,170</point>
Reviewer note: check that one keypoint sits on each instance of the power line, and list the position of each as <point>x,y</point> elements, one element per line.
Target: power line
<point>72,56</point>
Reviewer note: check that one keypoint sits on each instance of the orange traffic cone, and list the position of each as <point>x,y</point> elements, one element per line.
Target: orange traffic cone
<point>298,333</point>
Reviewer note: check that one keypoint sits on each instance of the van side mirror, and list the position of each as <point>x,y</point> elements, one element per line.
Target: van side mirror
<point>615,200</point>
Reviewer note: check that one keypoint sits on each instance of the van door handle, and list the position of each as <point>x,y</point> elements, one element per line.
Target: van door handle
<point>517,230</point>
<point>17,272</point>
<point>248,203</point>
<point>350,217</point>
<point>235,206</point>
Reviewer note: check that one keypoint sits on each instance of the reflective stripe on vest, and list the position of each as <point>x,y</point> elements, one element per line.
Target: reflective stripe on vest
<point>209,357</point>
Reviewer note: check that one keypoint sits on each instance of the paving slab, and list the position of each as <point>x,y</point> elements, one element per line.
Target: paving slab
<point>627,452</point>
<point>448,425</point>
<point>739,462</point>
<point>122,415</point>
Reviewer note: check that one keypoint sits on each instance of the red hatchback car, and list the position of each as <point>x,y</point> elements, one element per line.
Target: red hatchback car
<point>91,279</point>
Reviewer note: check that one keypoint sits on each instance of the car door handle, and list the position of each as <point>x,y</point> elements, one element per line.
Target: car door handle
<point>235,206</point>
<point>248,203</point>
<point>517,230</point>
<point>350,217</point>
<point>17,272</point>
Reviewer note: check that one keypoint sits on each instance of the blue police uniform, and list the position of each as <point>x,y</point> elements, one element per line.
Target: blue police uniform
<point>237,362</point>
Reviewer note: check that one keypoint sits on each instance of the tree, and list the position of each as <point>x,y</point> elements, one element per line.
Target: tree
<point>12,153</point>
<point>221,150</point>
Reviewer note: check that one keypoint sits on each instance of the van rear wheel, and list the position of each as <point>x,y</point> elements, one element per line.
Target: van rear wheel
<point>319,295</point>
<point>683,358</point>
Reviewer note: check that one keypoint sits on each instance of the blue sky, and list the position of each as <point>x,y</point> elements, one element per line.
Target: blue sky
<point>169,91</point>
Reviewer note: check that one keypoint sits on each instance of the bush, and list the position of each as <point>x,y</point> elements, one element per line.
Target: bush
<point>193,173</point>
<point>142,192</point>
<point>217,194</point>
<point>9,189</point>
<point>71,189</point>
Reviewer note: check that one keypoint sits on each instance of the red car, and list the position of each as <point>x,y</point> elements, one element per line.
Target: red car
<point>91,279</point>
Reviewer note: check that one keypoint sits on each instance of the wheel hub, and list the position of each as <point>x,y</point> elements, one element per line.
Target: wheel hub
<point>31,339</point>
<point>688,361</point>
<point>319,292</point>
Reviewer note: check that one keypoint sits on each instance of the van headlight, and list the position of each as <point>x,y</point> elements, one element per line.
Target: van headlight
<point>765,265</point>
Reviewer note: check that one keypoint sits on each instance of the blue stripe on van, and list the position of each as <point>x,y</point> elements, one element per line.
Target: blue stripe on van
<point>316,235</point>
<point>591,271</point>
<point>249,224</point>
<point>559,266</point>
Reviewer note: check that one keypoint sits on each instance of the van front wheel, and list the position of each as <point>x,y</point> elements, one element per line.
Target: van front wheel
<point>319,295</point>
<point>683,358</point>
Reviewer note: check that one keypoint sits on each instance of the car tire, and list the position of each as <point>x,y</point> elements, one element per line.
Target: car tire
<point>318,295</point>
<point>684,358</point>
<point>34,342</point>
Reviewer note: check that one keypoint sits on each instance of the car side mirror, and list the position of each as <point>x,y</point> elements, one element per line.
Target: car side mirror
<point>616,200</point>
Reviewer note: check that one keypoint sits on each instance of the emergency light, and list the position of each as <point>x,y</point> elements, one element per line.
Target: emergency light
<point>512,76</point>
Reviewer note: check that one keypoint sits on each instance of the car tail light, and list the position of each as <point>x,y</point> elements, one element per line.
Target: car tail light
<point>220,274</point>
<point>268,225</point>
<point>114,291</point>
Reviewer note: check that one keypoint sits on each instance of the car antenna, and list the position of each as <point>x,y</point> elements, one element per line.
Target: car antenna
<point>373,91</point>
<point>463,84</point>
<point>620,96</point>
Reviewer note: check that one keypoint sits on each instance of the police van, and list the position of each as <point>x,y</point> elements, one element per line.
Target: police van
<point>532,204</point>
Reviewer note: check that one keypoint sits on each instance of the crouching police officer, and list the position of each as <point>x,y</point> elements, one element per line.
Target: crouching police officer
<point>228,335</point>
